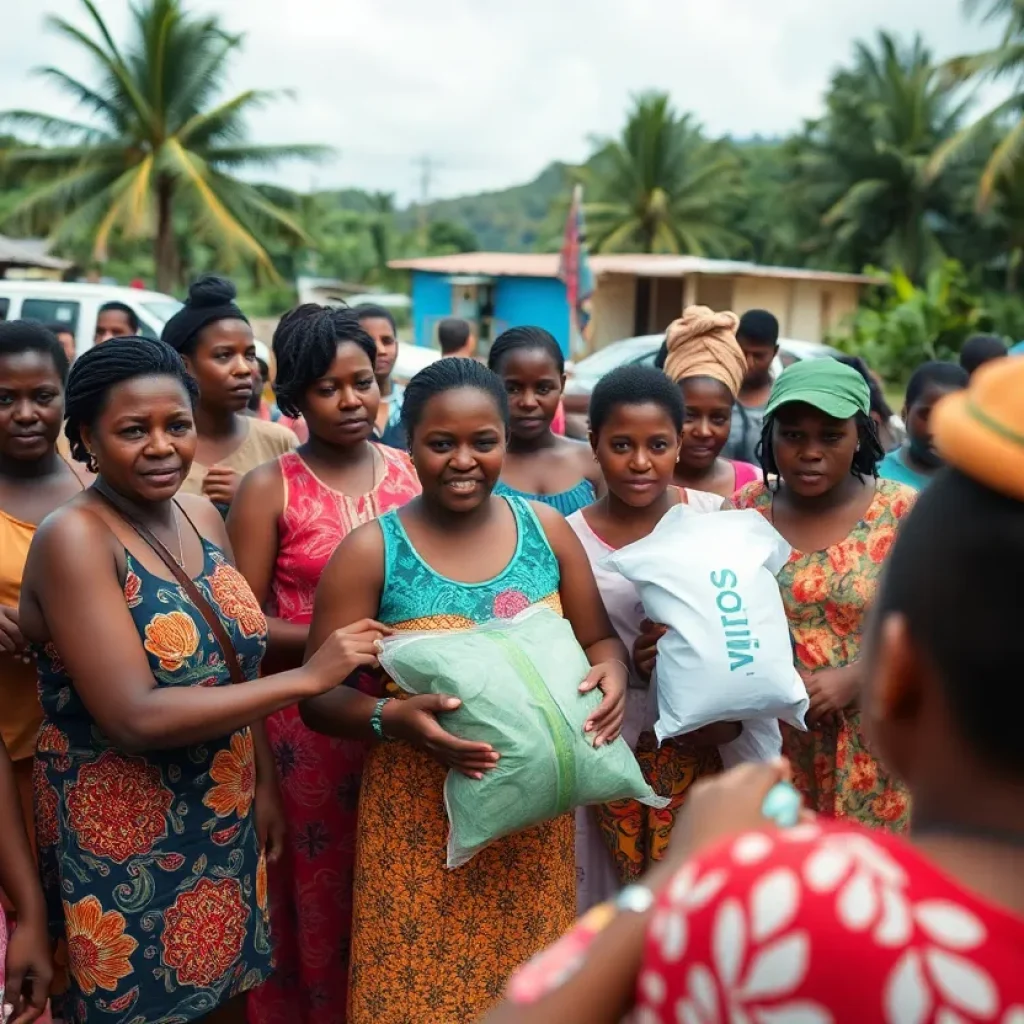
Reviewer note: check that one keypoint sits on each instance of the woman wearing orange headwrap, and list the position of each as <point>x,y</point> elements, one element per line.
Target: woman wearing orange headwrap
<point>705,359</point>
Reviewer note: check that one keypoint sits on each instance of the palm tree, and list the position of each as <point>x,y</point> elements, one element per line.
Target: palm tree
<point>1001,63</point>
<point>158,147</point>
<point>661,187</point>
<point>865,164</point>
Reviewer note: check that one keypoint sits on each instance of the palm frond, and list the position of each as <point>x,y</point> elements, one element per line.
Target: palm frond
<point>47,126</point>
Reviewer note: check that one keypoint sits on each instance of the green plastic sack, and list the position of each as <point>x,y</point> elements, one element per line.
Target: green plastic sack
<point>518,680</point>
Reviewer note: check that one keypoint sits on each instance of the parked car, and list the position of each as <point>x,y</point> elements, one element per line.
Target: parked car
<point>77,305</point>
<point>643,350</point>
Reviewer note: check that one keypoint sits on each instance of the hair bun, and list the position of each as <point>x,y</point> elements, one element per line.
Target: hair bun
<point>209,291</point>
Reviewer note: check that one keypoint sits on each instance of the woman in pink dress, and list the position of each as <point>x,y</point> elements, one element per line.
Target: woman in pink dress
<point>287,519</point>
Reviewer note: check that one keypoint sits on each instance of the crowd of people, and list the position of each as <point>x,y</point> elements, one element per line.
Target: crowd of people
<point>178,848</point>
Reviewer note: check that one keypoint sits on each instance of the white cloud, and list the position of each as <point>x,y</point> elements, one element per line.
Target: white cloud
<point>493,90</point>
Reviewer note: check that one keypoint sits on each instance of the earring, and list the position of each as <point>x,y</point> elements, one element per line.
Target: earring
<point>92,465</point>
<point>858,447</point>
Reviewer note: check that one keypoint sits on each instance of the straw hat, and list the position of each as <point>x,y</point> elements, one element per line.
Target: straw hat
<point>980,431</point>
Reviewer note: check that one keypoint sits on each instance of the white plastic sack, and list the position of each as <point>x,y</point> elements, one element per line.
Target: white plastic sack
<point>727,655</point>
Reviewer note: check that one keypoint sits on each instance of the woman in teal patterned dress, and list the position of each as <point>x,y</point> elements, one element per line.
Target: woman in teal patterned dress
<point>429,944</point>
<point>148,776</point>
<point>540,465</point>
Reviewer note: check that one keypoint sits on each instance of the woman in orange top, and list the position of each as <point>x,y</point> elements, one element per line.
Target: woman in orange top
<point>34,480</point>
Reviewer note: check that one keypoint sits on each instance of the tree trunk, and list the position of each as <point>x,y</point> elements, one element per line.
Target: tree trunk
<point>165,250</point>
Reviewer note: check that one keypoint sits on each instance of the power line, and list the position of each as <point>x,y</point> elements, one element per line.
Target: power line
<point>427,165</point>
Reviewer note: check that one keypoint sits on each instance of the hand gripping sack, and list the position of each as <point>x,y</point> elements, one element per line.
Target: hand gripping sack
<point>518,682</point>
<point>727,655</point>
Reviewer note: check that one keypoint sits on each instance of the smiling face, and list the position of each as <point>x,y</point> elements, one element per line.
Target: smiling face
<point>31,406</point>
<point>813,452</point>
<point>341,406</point>
<point>224,363</point>
<point>637,449</point>
<point>534,386</point>
<point>708,419</point>
<point>144,439</point>
<point>383,333</point>
<point>458,447</point>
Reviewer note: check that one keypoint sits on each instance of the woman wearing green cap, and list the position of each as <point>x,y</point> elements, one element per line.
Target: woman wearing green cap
<point>840,520</point>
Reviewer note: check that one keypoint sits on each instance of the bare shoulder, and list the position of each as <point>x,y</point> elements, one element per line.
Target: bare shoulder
<point>552,522</point>
<point>204,516</point>
<point>360,554</point>
<point>263,485</point>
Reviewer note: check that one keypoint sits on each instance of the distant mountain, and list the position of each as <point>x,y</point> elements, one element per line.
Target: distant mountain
<point>511,220</point>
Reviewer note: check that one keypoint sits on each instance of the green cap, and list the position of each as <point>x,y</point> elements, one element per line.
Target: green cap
<point>826,384</point>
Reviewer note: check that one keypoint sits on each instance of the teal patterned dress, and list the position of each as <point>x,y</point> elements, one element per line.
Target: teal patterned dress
<point>429,944</point>
<point>566,502</point>
<point>151,864</point>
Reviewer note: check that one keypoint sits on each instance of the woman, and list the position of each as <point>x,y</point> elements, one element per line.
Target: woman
<point>829,922</point>
<point>637,430</point>
<point>287,519</point>
<point>34,480</point>
<point>540,465</point>
<point>213,337</point>
<point>916,461</point>
<point>430,944</point>
<point>704,358</point>
<point>840,521</point>
<point>146,774</point>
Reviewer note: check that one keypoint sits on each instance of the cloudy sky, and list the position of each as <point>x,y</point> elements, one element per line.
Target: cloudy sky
<point>492,91</point>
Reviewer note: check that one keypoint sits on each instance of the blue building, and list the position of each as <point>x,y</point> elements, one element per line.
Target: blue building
<point>634,294</point>
<point>493,291</point>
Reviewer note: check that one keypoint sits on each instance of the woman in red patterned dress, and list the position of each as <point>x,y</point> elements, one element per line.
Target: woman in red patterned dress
<point>286,521</point>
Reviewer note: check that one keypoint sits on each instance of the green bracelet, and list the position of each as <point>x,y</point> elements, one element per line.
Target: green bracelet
<point>376,719</point>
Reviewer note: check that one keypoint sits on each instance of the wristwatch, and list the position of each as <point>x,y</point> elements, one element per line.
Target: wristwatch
<point>635,899</point>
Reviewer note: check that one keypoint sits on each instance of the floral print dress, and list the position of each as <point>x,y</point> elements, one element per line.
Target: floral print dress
<point>429,944</point>
<point>827,595</point>
<point>151,865</point>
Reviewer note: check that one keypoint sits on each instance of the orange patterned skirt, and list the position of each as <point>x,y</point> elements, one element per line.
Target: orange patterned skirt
<point>637,835</point>
<point>434,945</point>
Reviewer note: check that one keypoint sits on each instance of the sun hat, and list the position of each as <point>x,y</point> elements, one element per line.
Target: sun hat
<point>980,430</point>
<point>825,384</point>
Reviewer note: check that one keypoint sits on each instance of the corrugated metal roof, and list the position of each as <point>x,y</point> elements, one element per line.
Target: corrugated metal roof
<point>29,252</point>
<point>518,264</point>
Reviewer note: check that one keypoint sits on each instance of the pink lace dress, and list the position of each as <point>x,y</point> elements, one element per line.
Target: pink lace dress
<point>311,886</point>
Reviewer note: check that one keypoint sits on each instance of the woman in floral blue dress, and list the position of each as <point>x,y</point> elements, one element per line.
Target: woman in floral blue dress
<point>148,772</point>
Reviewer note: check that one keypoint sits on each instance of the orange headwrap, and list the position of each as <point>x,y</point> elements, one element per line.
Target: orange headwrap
<point>702,343</point>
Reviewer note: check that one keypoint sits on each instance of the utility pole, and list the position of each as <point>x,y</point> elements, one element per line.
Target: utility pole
<point>427,166</point>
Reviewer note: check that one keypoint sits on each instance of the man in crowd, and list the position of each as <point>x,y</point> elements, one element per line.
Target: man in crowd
<point>65,335</point>
<point>455,338</point>
<point>981,349</point>
<point>380,325</point>
<point>115,320</point>
<point>758,335</point>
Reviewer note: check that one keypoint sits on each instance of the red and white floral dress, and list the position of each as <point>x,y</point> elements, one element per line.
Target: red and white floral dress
<point>821,924</point>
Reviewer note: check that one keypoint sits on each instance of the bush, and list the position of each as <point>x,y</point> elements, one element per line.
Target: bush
<point>901,326</point>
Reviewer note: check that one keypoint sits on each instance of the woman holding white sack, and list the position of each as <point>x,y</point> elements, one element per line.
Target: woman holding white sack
<point>636,423</point>
<point>840,520</point>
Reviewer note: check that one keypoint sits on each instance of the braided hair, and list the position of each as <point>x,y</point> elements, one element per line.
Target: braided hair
<point>865,460</point>
<point>102,368</point>
<point>305,344</point>
<point>450,375</point>
<point>522,339</point>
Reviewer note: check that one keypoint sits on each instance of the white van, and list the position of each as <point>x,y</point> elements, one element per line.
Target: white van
<point>77,305</point>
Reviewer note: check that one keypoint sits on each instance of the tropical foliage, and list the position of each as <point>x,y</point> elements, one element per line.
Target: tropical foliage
<point>158,148</point>
<point>661,187</point>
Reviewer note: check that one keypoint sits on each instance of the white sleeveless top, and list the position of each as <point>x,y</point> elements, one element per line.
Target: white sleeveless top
<point>625,609</point>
